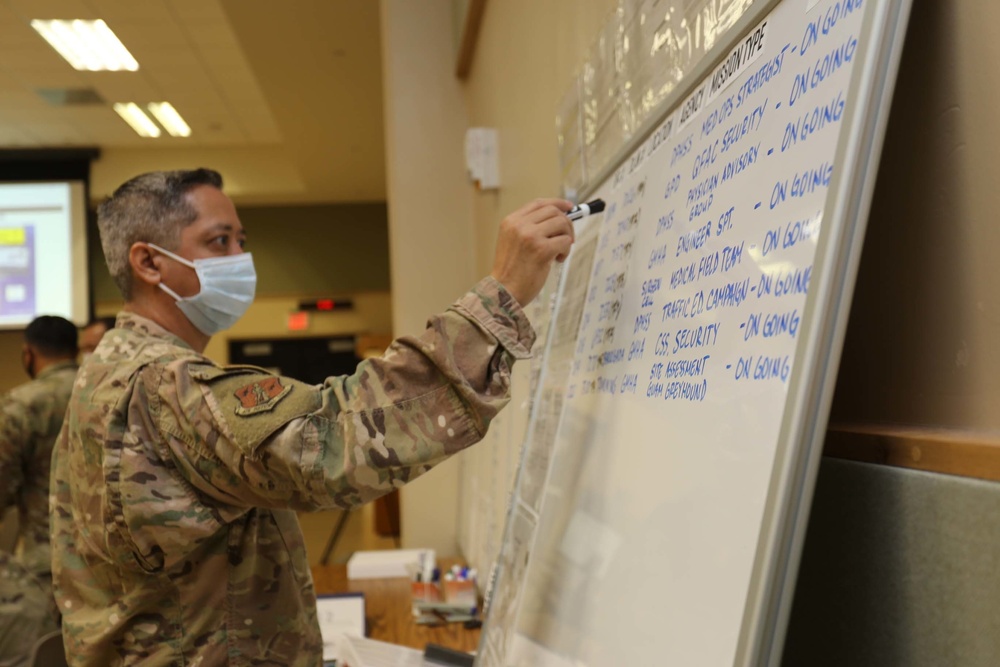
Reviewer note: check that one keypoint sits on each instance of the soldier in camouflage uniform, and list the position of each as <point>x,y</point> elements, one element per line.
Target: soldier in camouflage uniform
<point>92,334</point>
<point>30,418</point>
<point>174,533</point>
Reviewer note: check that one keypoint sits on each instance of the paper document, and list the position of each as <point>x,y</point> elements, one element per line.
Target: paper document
<point>339,615</point>
<point>389,563</point>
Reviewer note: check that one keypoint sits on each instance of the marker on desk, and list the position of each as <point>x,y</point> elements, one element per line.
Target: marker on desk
<point>583,210</point>
<point>442,655</point>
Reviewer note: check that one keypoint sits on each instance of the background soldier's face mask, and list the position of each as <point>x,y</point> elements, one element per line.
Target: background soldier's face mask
<point>227,289</point>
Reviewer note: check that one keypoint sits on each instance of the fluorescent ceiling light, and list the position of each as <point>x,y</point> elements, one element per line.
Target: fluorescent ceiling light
<point>170,119</point>
<point>140,122</point>
<point>87,45</point>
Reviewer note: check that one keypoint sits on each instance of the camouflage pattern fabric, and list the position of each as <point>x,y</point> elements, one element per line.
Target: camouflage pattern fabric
<point>174,536</point>
<point>31,416</point>
<point>27,611</point>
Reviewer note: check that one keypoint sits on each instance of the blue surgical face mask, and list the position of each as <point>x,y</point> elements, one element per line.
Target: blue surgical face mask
<point>227,289</point>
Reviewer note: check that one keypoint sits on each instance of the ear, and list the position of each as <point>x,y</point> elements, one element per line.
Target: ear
<point>145,263</point>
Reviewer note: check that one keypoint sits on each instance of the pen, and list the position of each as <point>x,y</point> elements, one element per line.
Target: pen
<point>582,210</point>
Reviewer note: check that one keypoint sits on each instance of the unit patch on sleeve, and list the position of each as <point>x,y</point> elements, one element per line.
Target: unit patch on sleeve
<point>260,395</point>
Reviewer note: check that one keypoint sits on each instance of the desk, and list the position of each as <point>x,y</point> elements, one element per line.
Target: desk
<point>388,612</point>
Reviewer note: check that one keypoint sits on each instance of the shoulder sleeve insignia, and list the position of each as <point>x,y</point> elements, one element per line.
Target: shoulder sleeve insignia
<point>261,395</point>
<point>249,404</point>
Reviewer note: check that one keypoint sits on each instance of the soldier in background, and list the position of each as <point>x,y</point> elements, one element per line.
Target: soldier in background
<point>175,480</point>
<point>92,334</point>
<point>30,418</point>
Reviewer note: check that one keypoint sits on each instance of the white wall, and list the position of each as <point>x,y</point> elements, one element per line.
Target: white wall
<point>525,59</point>
<point>442,233</point>
<point>431,242</point>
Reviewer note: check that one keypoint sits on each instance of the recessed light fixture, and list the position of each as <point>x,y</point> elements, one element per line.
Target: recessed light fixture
<point>169,119</point>
<point>140,122</point>
<point>87,45</point>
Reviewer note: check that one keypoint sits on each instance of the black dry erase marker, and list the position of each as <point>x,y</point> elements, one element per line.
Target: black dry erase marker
<point>436,654</point>
<point>583,210</point>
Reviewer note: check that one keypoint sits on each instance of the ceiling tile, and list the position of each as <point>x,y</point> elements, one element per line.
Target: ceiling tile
<point>53,9</point>
<point>57,133</point>
<point>56,78</point>
<point>215,127</point>
<point>240,92</point>
<point>123,86</point>
<point>224,60</point>
<point>269,135</point>
<point>31,58</point>
<point>228,133</point>
<point>21,100</point>
<point>130,10</point>
<point>14,28</point>
<point>208,103</point>
<point>213,34</point>
<point>259,127</point>
<point>197,10</point>
<point>115,138</point>
<point>180,59</point>
<point>92,116</point>
<point>15,137</point>
<point>247,75</point>
<point>9,82</point>
<point>104,127</point>
<point>141,37</point>
<point>167,141</point>
<point>172,84</point>
<point>254,117</point>
<point>178,72</point>
<point>18,34</point>
<point>31,118</point>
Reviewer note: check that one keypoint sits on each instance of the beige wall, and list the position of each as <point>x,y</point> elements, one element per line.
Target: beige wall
<point>300,252</point>
<point>442,233</point>
<point>527,55</point>
<point>268,318</point>
<point>321,250</point>
<point>922,343</point>
<point>11,371</point>
<point>430,232</point>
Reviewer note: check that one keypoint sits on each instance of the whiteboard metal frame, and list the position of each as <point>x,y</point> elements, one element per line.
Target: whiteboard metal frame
<point>817,356</point>
<point>796,466</point>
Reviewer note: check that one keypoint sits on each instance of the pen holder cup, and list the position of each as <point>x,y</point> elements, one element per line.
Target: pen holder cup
<point>425,592</point>
<point>460,593</point>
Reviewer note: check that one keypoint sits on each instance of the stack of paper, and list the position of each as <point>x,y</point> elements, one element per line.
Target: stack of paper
<point>389,563</point>
<point>361,652</point>
<point>339,615</point>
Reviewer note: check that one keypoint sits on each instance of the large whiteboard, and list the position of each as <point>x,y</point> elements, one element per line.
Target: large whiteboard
<point>685,381</point>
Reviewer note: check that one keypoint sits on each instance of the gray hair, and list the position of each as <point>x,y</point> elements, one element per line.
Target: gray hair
<point>150,208</point>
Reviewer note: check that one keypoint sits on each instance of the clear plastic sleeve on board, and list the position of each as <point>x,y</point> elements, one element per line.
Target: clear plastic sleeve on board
<point>569,138</point>
<point>662,41</point>
<point>605,126</point>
